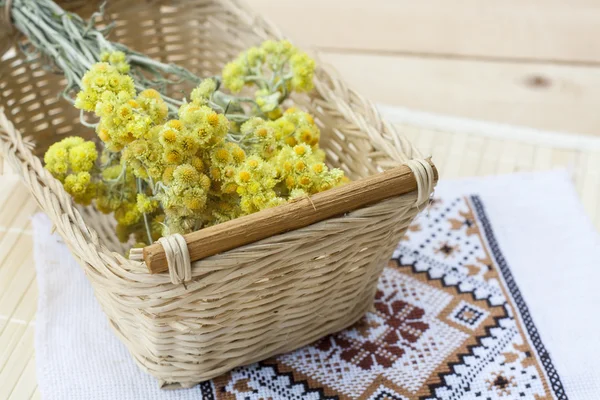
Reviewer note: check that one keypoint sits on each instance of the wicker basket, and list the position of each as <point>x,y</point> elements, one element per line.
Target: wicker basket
<point>254,301</point>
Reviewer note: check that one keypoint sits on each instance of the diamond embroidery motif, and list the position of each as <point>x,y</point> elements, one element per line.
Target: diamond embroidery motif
<point>468,315</point>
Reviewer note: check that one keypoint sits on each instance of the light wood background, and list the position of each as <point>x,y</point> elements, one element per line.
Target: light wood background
<point>524,62</point>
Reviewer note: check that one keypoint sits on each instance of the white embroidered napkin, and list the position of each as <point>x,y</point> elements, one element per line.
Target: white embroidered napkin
<point>551,247</point>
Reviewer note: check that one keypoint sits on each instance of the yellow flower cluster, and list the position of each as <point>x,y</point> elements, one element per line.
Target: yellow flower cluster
<point>110,93</point>
<point>304,172</point>
<point>102,78</point>
<point>298,127</point>
<point>161,176</point>
<point>116,58</point>
<point>124,118</point>
<point>201,94</point>
<point>71,160</point>
<point>80,186</point>
<point>303,68</point>
<point>144,155</point>
<point>256,180</point>
<point>184,200</point>
<point>276,68</point>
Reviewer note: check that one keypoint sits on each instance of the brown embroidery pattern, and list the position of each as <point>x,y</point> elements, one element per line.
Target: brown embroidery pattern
<point>440,329</point>
<point>403,323</point>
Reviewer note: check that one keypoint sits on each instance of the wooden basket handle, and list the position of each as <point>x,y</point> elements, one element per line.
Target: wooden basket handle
<point>293,215</point>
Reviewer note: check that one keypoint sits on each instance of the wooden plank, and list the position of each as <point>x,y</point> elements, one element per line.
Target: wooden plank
<point>24,311</point>
<point>524,157</point>
<point>16,335</point>
<point>455,155</point>
<point>439,150</point>
<point>565,158</point>
<point>542,158</point>
<point>9,184</point>
<point>579,171</point>
<point>515,29</point>
<point>15,295</point>
<point>472,155</point>
<point>290,216</point>
<point>423,141</point>
<point>489,157</point>
<point>548,97</point>
<point>12,273</point>
<point>18,198</point>
<point>590,184</point>
<point>17,359</point>
<point>26,384</point>
<point>36,395</point>
<point>507,159</point>
<point>18,226</point>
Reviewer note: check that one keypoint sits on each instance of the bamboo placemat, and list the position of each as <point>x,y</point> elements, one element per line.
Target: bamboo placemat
<point>459,148</point>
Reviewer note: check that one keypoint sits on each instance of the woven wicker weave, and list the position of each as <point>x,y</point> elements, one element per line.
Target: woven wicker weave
<point>246,304</point>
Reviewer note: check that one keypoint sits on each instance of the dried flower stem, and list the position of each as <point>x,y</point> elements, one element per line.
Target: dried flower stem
<point>73,45</point>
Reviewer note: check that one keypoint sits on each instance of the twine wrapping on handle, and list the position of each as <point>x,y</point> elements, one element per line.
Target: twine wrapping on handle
<point>425,177</point>
<point>178,258</point>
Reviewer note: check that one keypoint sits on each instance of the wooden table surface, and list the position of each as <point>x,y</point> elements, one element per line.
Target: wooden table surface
<point>524,62</point>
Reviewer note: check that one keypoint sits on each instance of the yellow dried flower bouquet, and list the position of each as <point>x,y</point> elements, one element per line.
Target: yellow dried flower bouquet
<point>276,193</point>
<point>164,174</point>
